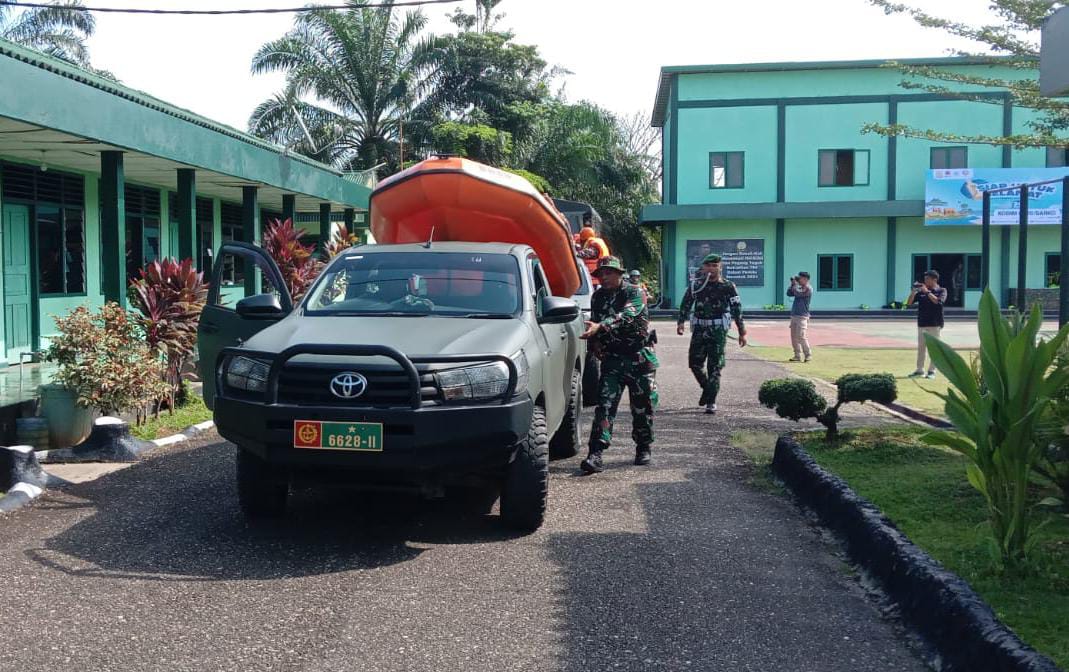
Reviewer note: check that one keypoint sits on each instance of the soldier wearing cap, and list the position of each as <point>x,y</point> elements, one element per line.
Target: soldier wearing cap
<point>618,333</point>
<point>711,303</point>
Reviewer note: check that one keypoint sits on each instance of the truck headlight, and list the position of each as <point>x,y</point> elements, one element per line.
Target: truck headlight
<point>244,373</point>
<point>486,381</point>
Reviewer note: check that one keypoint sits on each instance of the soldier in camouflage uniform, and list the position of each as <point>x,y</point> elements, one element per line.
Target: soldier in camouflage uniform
<point>618,333</point>
<point>710,303</point>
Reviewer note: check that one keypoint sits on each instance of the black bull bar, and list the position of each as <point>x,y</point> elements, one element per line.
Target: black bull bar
<point>408,365</point>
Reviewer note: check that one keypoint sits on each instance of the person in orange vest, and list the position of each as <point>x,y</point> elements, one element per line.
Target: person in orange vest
<point>592,248</point>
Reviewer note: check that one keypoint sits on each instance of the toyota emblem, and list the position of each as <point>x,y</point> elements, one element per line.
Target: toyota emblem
<point>348,385</point>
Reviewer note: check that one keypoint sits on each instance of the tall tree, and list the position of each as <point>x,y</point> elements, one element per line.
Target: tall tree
<point>582,152</point>
<point>1010,40</point>
<point>356,67</point>
<point>59,30</point>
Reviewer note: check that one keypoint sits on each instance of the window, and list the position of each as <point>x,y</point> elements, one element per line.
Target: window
<point>973,272</point>
<point>1057,157</point>
<point>835,272</point>
<point>949,157</point>
<point>233,268</point>
<point>1054,269</point>
<point>142,228</point>
<point>726,170</point>
<point>60,250</point>
<point>843,168</point>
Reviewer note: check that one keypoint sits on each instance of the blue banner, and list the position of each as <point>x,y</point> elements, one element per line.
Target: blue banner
<point>954,196</point>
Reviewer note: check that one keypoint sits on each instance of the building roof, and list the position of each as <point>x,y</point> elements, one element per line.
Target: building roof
<point>139,108</point>
<point>668,73</point>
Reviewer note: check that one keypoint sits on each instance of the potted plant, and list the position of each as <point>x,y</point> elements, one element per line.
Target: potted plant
<point>104,365</point>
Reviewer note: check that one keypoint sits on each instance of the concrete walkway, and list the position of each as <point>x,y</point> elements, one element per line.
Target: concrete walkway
<point>684,565</point>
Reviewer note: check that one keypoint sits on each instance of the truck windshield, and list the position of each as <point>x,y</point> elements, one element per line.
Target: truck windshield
<point>449,284</point>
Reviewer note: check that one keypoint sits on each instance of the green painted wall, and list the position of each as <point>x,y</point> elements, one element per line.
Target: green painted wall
<point>752,297</point>
<point>914,156</point>
<point>734,129</point>
<point>801,83</point>
<point>811,128</point>
<point>866,239</point>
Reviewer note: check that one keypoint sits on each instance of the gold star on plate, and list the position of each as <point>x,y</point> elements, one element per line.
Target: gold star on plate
<point>352,429</point>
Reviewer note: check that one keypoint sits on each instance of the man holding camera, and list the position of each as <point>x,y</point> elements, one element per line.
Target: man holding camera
<point>930,299</point>
<point>801,292</point>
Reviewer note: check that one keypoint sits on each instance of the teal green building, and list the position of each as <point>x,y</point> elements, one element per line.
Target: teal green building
<point>97,179</point>
<point>770,162</point>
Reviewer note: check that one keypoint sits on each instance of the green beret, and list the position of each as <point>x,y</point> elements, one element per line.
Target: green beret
<point>711,259</point>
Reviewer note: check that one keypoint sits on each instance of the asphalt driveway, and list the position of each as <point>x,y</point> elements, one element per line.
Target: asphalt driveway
<point>681,565</point>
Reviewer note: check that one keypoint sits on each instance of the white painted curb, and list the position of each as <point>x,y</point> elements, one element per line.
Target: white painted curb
<point>185,435</point>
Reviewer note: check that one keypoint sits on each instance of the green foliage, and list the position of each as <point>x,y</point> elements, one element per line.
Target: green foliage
<point>797,398</point>
<point>103,358</point>
<point>537,181</point>
<point>1011,40</point>
<point>357,65</point>
<point>923,490</point>
<point>779,307</point>
<point>997,416</point>
<point>1053,462</point>
<point>792,398</point>
<point>169,296</point>
<point>474,141</point>
<point>59,30</point>
<point>862,387</point>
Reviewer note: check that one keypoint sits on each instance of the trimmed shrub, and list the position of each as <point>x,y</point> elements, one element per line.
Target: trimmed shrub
<point>797,398</point>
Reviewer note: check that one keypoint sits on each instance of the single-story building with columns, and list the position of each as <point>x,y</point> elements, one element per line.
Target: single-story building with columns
<point>97,179</point>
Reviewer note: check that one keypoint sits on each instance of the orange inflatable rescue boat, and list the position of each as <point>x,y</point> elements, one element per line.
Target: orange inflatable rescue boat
<point>462,200</point>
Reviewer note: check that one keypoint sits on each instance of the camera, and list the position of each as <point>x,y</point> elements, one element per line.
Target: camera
<point>918,285</point>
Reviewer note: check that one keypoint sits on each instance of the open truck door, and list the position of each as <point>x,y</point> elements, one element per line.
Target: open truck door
<point>246,296</point>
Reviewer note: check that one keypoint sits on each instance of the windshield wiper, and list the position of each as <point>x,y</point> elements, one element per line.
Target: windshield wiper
<point>361,313</point>
<point>486,316</point>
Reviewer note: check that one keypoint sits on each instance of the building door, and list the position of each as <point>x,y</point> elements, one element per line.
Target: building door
<point>18,297</point>
<point>952,275</point>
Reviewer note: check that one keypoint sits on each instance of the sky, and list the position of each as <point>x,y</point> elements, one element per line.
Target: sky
<point>613,48</point>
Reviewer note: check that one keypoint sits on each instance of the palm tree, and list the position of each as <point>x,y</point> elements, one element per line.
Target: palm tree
<point>357,66</point>
<point>59,30</point>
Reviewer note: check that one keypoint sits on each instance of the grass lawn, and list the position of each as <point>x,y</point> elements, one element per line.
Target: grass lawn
<point>192,412</point>
<point>924,491</point>
<point>830,363</point>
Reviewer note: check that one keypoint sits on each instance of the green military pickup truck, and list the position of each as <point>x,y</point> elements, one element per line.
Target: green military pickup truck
<point>438,367</point>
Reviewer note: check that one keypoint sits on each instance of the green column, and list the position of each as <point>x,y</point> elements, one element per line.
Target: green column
<point>250,228</point>
<point>892,256</point>
<point>113,226</point>
<point>324,224</point>
<point>187,214</point>
<point>289,208</point>
<point>781,262</point>
<point>350,219</point>
<point>1022,252</point>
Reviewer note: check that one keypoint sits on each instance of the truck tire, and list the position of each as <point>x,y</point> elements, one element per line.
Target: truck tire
<point>526,485</point>
<point>566,442</point>
<point>262,489</point>
<point>591,375</point>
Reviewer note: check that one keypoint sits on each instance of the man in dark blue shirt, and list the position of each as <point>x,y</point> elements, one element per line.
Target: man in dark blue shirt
<point>930,299</point>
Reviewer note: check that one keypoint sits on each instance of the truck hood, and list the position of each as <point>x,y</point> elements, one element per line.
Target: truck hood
<point>413,336</point>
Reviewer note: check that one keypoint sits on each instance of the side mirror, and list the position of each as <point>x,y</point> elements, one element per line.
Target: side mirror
<point>558,310</point>
<point>260,307</point>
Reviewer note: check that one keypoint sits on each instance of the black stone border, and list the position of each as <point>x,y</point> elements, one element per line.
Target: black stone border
<point>938,604</point>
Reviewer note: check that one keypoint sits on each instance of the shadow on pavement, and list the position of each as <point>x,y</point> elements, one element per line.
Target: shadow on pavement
<point>175,518</point>
<point>716,578</point>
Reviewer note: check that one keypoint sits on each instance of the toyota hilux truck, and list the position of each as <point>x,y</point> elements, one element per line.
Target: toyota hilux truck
<point>441,367</point>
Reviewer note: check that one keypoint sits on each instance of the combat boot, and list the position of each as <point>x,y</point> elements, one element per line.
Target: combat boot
<point>592,464</point>
<point>642,456</point>
<point>704,399</point>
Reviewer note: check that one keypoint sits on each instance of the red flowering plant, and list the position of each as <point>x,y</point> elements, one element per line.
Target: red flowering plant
<point>296,260</point>
<point>341,241</point>
<point>169,297</point>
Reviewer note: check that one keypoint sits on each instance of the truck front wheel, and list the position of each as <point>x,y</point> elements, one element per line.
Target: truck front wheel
<point>262,488</point>
<point>566,442</point>
<point>526,486</point>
